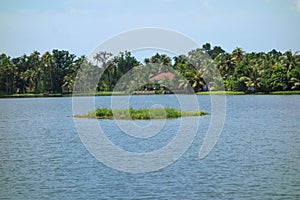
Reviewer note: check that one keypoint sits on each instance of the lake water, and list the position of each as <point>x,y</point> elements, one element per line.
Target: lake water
<point>257,155</point>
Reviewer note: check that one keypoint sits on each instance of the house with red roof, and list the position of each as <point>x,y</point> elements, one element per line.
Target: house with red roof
<point>162,76</point>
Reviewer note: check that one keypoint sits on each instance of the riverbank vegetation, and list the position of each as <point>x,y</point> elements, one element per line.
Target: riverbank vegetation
<point>140,114</point>
<point>55,73</point>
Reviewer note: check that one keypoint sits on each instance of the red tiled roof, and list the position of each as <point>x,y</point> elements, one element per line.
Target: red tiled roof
<point>162,76</point>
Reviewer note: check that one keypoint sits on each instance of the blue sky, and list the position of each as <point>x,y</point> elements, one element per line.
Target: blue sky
<point>79,26</point>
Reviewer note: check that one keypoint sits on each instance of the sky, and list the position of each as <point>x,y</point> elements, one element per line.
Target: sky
<point>79,26</point>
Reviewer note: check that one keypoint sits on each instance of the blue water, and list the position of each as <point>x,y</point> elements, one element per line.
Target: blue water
<point>256,157</point>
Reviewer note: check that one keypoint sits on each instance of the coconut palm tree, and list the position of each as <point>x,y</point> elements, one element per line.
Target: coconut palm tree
<point>238,54</point>
<point>195,79</point>
<point>7,74</point>
<point>106,60</point>
<point>225,64</point>
<point>103,57</point>
<point>253,80</point>
<point>48,62</point>
<point>35,70</point>
<point>183,85</point>
<point>196,57</point>
<point>291,60</point>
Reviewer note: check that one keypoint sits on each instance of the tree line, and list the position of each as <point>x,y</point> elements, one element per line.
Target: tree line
<point>56,72</point>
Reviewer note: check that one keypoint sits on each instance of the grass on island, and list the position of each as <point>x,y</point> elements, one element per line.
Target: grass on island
<point>140,114</point>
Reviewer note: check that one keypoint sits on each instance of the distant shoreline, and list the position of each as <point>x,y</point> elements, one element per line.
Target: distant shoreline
<point>29,95</point>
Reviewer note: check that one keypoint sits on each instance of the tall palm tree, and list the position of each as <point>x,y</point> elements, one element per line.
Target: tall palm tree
<point>291,60</point>
<point>183,84</point>
<point>253,80</point>
<point>48,62</point>
<point>238,54</point>
<point>196,57</point>
<point>106,60</point>
<point>36,70</point>
<point>7,74</point>
<point>225,64</point>
<point>195,79</point>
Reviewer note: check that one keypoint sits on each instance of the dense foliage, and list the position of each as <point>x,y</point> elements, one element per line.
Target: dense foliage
<point>55,72</point>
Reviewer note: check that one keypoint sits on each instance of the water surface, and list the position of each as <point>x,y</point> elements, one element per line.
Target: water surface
<point>257,154</point>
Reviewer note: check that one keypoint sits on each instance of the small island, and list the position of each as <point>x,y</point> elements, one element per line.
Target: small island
<point>139,114</point>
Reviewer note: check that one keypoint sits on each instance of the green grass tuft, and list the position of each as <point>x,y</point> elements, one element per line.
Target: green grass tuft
<point>140,114</point>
